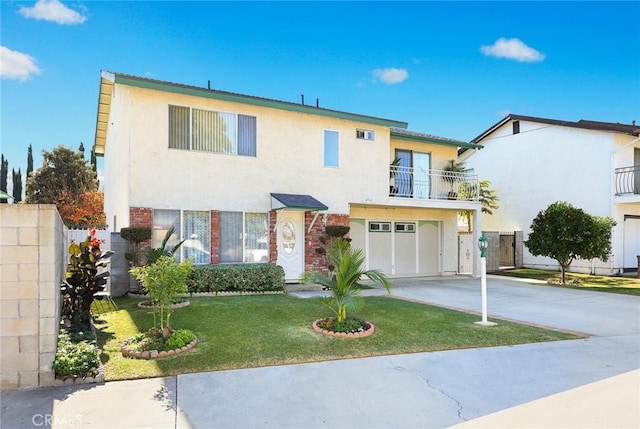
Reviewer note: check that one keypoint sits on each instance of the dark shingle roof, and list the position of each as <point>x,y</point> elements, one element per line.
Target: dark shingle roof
<point>631,129</point>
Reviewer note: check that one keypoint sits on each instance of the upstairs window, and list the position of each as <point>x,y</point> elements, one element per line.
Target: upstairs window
<point>365,134</point>
<point>331,148</point>
<point>211,131</point>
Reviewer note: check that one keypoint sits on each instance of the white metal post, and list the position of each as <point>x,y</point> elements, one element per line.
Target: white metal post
<point>482,244</point>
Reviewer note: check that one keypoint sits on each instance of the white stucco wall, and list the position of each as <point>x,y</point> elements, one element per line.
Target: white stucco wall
<point>289,159</point>
<point>546,163</point>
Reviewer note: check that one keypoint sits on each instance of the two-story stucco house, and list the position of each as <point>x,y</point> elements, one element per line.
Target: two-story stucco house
<point>534,162</point>
<point>248,179</point>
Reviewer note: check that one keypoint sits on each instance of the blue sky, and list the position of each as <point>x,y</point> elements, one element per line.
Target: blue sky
<point>451,69</point>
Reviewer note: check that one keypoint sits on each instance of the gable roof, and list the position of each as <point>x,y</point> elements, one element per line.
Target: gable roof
<point>631,129</point>
<point>429,138</point>
<point>108,79</point>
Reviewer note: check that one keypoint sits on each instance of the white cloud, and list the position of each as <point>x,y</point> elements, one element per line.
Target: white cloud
<point>512,49</point>
<point>52,10</point>
<point>16,65</point>
<point>390,76</point>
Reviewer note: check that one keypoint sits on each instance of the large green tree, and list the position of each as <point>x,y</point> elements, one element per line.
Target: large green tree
<point>565,233</point>
<point>62,170</point>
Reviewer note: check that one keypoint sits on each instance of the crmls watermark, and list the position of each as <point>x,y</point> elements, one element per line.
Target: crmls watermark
<point>48,420</point>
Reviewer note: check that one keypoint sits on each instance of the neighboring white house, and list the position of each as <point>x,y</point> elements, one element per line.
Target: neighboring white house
<point>533,162</point>
<point>249,179</point>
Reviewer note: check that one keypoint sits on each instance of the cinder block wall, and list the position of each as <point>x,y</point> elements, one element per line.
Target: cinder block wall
<point>519,249</point>
<point>493,251</point>
<point>32,263</point>
<point>119,267</point>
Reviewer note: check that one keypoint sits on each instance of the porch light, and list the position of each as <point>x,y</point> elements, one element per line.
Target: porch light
<point>482,245</point>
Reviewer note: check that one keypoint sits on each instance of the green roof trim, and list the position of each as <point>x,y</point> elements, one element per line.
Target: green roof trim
<point>427,138</point>
<point>140,82</point>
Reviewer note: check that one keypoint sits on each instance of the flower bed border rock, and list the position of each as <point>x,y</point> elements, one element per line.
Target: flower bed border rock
<point>221,293</point>
<point>371,329</point>
<point>154,354</point>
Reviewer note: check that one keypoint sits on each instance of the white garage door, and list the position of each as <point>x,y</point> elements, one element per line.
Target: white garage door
<point>402,248</point>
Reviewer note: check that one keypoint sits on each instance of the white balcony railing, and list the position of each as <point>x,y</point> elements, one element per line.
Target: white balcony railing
<point>628,180</point>
<point>418,183</point>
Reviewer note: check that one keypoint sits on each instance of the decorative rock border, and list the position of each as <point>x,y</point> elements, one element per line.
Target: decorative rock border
<point>221,293</point>
<point>369,331</point>
<point>154,354</point>
<point>147,305</point>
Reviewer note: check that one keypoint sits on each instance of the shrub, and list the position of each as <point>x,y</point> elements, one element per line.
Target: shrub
<point>75,358</point>
<point>163,280</point>
<point>179,339</point>
<point>153,340</point>
<point>236,278</point>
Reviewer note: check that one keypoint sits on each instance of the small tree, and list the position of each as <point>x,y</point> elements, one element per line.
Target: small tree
<point>564,232</point>
<point>344,281</point>
<point>135,235</point>
<point>82,281</point>
<point>164,280</point>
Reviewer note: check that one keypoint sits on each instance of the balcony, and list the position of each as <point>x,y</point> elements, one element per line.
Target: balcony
<point>628,180</point>
<point>421,184</point>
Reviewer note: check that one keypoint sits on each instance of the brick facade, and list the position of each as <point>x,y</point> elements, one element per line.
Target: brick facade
<point>215,237</point>
<point>273,243</point>
<point>315,261</point>
<point>141,216</point>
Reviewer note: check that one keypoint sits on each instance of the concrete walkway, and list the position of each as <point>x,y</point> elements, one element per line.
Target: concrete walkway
<point>591,382</point>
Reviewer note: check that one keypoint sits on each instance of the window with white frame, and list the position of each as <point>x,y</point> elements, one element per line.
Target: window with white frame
<point>331,148</point>
<point>365,134</point>
<point>244,237</point>
<point>211,131</point>
<point>194,227</point>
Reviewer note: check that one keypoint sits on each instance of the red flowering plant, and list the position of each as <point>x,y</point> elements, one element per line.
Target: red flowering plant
<point>82,281</point>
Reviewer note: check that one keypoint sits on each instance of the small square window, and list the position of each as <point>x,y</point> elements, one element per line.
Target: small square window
<point>365,134</point>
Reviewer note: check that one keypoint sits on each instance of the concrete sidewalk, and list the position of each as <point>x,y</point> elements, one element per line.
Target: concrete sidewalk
<point>591,382</point>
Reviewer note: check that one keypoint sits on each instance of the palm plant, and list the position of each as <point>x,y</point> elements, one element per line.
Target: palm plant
<point>344,280</point>
<point>154,254</point>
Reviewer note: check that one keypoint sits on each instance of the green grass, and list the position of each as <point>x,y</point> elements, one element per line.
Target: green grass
<point>263,330</point>
<point>613,284</point>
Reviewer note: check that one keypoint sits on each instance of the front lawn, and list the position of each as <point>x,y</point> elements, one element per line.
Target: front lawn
<point>613,284</point>
<point>262,330</point>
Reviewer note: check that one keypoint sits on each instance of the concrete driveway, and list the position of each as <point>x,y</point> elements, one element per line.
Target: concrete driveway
<point>591,382</point>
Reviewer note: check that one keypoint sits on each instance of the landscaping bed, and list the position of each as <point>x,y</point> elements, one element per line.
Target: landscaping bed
<point>262,330</point>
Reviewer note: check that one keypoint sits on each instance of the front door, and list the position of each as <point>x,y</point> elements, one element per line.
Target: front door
<point>290,240</point>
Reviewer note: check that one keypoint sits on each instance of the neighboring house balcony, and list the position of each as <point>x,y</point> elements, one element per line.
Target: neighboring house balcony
<point>627,184</point>
<point>422,184</point>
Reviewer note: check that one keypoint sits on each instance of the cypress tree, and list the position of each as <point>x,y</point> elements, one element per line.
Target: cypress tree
<point>4,171</point>
<point>94,162</point>
<point>17,185</point>
<point>29,161</point>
